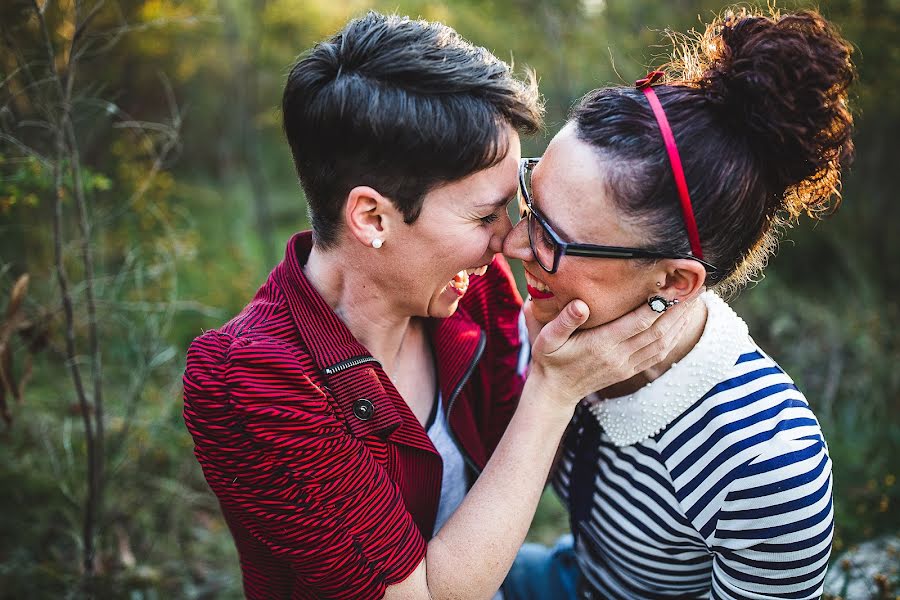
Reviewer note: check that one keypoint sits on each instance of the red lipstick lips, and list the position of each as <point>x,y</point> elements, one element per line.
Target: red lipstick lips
<point>537,294</point>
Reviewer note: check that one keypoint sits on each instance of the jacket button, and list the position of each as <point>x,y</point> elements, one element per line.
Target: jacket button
<point>363,409</point>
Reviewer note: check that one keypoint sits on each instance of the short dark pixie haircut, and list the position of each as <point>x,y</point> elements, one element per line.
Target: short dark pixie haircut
<point>399,105</point>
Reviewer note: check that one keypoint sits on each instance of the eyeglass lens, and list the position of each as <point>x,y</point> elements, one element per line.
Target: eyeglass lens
<point>543,245</point>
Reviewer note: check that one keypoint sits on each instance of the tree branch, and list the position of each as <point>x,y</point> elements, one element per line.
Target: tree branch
<point>62,125</point>
<point>87,258</point>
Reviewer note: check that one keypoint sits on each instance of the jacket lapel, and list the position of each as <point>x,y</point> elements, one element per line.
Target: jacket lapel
<point>458,345</point>
<point>456,342</point>
<point>333,347</point>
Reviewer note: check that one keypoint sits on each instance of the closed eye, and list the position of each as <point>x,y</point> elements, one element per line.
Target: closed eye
<point>548,241</point>
<point>491,218</point>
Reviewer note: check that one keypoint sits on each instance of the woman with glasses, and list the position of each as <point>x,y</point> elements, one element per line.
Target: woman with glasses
<point>707,476</point>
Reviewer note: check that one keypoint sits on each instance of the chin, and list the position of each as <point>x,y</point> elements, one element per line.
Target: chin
<point>443,314</point>
<point>593,322</point>
<point>543,315</point>
<point>443,307</point>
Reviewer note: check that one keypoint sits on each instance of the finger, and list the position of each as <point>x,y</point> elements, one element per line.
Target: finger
<point>662,326</point>
<point>654,352</point>
<point>559,330</point>
<point>633,323</point>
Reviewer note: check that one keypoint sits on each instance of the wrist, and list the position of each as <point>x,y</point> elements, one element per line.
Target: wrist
<point>542,398</point>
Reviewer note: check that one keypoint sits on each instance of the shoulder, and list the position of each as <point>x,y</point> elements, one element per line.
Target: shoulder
<point>755,396</point>
<point>758,395</point>
<point>222,351</point>
<point>753,430</point>
<point>262,330</point>
<point>255,355</point>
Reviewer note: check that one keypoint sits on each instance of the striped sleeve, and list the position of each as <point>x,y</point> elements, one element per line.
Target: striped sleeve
<point>773,533</point>
<point>289,475</point>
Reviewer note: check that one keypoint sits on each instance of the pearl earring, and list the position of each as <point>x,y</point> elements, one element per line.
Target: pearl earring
<point>377,243</point>
<point>658,284</point>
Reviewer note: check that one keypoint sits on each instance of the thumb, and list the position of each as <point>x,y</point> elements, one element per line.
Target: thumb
<point>558,331</point>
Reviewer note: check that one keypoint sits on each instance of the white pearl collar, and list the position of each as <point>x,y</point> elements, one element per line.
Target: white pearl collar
<point>630,419</point>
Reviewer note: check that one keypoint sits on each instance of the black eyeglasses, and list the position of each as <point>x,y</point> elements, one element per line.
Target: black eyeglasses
<point>548,248</point>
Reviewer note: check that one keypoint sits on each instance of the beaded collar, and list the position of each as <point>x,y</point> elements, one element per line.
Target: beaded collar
<point>631,419</point>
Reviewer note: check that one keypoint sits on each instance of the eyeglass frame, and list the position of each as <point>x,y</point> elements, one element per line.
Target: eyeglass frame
<point>578,249</point>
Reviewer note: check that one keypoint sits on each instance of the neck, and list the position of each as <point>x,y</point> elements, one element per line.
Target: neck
<point>359,302</point>
<point>691,335</point>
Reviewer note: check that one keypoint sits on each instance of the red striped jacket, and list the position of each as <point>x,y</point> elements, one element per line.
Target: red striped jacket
<point>328,482</point>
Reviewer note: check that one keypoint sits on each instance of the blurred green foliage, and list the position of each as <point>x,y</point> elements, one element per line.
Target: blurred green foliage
<point>182,239</point>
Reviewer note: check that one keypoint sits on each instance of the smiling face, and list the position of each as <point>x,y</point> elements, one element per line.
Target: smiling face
<point>461,227</point>
<point>569,190</point>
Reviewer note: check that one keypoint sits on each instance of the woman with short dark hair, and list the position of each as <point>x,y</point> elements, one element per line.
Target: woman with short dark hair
<point>343,416</point>
<point>706,476</point>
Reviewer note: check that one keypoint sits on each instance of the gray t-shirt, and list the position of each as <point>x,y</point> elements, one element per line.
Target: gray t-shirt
<point>453,480</point>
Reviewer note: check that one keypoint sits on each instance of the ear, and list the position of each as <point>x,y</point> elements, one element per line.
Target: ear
<point>680,279</point>
<point>369,215</point>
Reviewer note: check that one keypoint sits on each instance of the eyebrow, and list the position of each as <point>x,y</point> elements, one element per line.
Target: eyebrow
<point>499,203</point>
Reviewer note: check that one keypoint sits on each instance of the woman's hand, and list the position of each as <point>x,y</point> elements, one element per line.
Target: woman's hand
<point>567,364</point>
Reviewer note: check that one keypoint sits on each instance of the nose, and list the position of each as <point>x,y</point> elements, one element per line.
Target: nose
<point>501,232</point>
<point>516,244</point>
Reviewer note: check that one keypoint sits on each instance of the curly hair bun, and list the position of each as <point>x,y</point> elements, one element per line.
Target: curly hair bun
<point>783,81</point>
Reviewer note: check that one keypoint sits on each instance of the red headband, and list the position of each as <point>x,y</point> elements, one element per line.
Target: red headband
<point>687,211</point>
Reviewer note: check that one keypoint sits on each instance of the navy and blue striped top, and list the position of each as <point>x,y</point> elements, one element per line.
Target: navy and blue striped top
<point>731,498</point>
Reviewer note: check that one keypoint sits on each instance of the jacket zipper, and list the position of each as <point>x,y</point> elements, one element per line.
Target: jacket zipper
<point>482,342</point>
<point>349,363</point>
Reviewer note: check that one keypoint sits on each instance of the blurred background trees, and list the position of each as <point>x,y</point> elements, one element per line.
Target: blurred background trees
<point>146,191</point>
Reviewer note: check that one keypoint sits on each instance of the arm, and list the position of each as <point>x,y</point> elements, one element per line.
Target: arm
<point>773,534</point>
<point>289,475</point>
<point>473,552</point>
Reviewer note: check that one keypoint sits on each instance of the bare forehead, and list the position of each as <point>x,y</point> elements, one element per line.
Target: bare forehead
<point>570,189</point>
<point>492,186</point>
<point>482,190</point>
